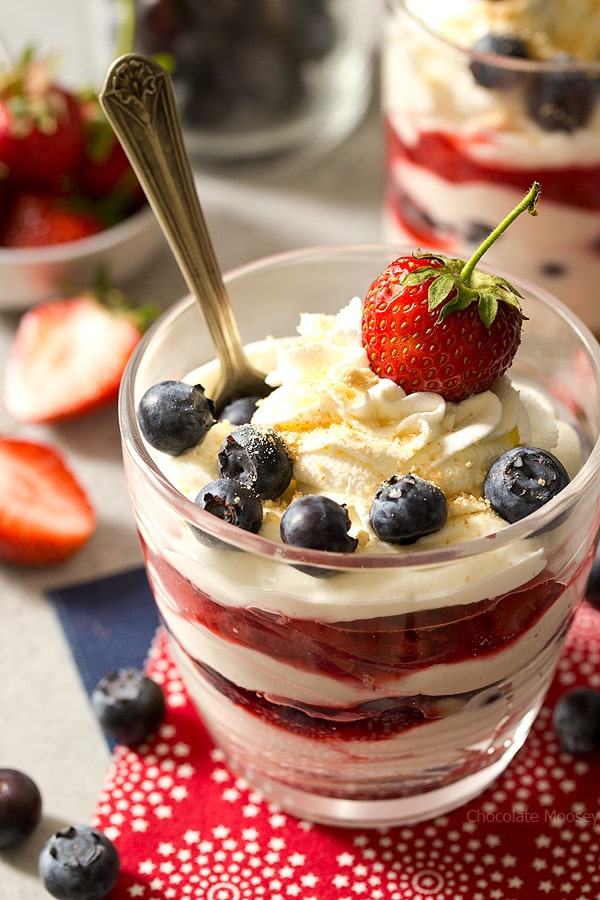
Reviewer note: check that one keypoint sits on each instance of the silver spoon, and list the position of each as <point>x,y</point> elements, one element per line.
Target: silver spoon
<point>139,102</point>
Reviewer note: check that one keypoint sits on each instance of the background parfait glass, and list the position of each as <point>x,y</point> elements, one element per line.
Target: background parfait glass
<point>468,130</point>
<point>403,684</point>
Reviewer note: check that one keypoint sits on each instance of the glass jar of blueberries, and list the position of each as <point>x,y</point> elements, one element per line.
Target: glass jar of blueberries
<point>262,78</point>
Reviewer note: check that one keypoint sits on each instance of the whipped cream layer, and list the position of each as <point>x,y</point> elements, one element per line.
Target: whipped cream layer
<point>347,431</point>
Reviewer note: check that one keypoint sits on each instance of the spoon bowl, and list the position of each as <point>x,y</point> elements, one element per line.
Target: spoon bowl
<point>139,102</point>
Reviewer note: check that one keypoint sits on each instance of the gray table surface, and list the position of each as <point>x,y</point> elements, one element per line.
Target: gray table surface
<point>46,725</point>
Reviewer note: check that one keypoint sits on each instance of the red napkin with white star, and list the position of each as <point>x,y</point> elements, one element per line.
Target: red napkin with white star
<point>185,826</point>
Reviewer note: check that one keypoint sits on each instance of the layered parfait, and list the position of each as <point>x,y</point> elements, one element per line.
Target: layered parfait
<point>350,621</point>
<point>479,98</point>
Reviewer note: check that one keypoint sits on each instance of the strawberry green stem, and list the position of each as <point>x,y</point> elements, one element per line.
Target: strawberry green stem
<point>529,202</point>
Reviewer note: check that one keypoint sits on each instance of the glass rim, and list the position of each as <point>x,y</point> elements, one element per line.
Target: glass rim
<point>536,522</point>
<point>497,60</point>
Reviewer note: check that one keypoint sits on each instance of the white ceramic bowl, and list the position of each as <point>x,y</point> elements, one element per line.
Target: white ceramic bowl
<point>31,275</point>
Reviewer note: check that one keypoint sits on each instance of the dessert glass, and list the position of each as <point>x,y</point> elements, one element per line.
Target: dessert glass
<point>460,153</point>
<point>403,684</point>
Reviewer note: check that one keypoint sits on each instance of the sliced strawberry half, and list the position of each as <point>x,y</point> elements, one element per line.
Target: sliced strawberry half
<point>45,515</point>
<point>41,129</point>
<point>68,357</point>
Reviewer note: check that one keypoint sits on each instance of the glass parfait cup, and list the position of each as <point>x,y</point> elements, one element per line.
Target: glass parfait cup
<point>402,685</point>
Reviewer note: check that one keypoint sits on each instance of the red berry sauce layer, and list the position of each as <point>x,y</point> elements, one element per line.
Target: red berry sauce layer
<point>450,157</point>
<point>371,651</point>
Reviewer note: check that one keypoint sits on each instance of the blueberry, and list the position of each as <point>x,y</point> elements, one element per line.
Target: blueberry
<point>174,416</point>
<point>523,480</point>
<point>268,80</point>
<point>20,807</point>
<point>406,508</point>
<point>257,458</point>
<point>129,705</point>
<point>79,863</point>
<point>414,215</point>
<point>157,23</point>
<point>560,100</point>
<point>310,29</point>
<point>233,502</point>
<point>553,269</point>
<point>318,523</point>
<point>477,232</point>
<point>576,720</point>
<point>496,75</point>
<point>240,411</point>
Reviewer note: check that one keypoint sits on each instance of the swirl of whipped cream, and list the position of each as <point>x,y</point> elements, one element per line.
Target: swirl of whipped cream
<point>349,430</point>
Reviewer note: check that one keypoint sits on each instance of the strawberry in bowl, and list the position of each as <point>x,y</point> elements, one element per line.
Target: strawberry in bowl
<point>42,138</point>
<point>70,203</point>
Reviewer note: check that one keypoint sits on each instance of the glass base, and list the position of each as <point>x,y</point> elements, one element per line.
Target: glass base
<point>377,813</point>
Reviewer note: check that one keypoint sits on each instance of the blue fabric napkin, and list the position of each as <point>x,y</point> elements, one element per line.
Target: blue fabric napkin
<point>109,623</point>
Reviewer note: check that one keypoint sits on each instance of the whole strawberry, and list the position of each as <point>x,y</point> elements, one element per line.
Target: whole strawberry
<point>41,130</point>
<point>432,323</point>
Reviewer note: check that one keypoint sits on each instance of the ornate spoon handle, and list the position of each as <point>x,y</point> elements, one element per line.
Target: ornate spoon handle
<point>139,102</point>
